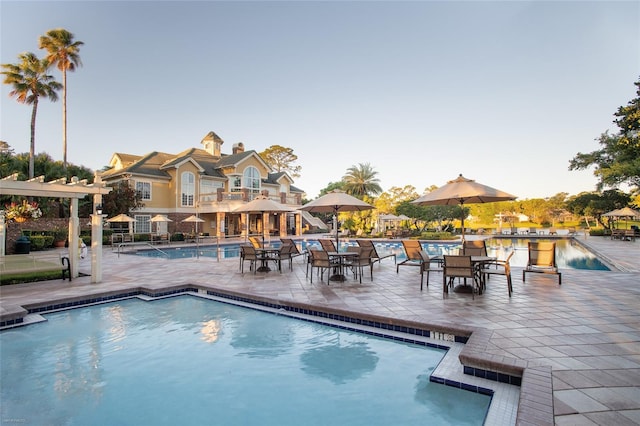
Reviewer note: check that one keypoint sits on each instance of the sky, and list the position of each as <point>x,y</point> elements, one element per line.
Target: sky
<point>503,92</point>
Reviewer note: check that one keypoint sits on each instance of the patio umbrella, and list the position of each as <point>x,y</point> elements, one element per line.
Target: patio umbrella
<point>160,218</point>
<point>195,219</point>
<point>334,202</point>
<point>262,205</point>
<point>122,218</point>
<point>626,212</point>
<point>463,191</point>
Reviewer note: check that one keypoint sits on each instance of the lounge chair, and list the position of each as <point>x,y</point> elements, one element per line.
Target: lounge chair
<point>416,256</point>
<point>474,248</point>
<point>533,231</point>
<point>542,259</point>
<point>294,251</point>
<point>255,242</point>
<point>375,256</point>
<point>499,267</point>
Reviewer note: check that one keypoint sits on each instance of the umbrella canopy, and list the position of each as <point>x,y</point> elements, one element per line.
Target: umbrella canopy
<point>463,191</point>
<point>193,218</point>
<point>626,212</point>
<point>121,218</point>
<point>261,205</point>
<point>334,202</point>
<point>160,218</point>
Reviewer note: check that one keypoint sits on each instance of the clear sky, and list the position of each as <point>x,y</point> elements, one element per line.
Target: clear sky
<point>504,92</point>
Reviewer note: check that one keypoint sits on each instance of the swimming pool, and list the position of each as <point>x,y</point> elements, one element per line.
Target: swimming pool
<point>570,255</point>
<point>186,360</point>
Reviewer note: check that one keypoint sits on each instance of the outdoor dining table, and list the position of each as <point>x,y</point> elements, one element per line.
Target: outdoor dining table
<point>265,254</point>
<point>341,257</point>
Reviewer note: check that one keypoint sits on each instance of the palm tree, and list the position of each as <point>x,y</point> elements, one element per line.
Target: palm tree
<point>63,53</point>
<point>30,82</point>
<point>361,180</point>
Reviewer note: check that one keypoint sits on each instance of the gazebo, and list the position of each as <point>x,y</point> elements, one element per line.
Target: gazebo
<point>73,190</point>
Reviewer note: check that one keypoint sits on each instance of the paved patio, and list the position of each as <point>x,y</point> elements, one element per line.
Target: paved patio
<point>581,338</point>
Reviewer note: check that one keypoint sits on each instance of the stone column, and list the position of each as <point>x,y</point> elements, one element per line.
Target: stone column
<point>74,252</point>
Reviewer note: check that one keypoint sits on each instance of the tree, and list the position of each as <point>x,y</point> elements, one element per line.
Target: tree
<point>618,160</point>
<point>361,180</point>
<point>30,82</point>
<point>593,204</point>
<point>63,53</point>
<point>281,159</point>
<point>122,199</point>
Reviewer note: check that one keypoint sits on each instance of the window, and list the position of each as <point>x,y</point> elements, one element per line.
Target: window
<point>236,183</point>
<point>144,189</point>
<point>142,224</point>
<point>252,180</point>
<point>188,189</point>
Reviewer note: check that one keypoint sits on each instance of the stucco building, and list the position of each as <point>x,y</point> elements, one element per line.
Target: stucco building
<point>209,184</point>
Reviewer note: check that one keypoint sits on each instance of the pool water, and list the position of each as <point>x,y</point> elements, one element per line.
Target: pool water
<point>189,361</point>
<point>569,255</point>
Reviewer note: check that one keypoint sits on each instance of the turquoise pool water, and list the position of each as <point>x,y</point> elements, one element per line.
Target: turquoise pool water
<point>570,255</point>
<point>189,361</point>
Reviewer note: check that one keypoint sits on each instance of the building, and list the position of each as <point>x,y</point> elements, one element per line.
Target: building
<point>210,185</point>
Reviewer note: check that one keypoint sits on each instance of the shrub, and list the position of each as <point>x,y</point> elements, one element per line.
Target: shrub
<point>437,236</point>
<point>178,236</point>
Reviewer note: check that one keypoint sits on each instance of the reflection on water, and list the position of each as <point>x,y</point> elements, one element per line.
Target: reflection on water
<point>340,362</point>
<point>210,330</point>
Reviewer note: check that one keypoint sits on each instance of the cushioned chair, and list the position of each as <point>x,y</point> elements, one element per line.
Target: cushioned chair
<point>542,259</point>
<point>499,267</point>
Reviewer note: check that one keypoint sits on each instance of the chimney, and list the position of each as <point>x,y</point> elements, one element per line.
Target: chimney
<point>212,144</point>
<point>238,148</point>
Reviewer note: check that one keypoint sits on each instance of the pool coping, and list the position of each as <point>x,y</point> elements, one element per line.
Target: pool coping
<point>535,405</point>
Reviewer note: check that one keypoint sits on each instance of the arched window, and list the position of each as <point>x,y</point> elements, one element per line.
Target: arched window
<point>188,189</point>
<point>251,180</point>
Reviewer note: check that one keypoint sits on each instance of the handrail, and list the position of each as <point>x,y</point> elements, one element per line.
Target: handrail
<point>140,243</point>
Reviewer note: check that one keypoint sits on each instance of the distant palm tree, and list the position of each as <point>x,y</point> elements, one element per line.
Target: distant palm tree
<point>63,53</point>
<point>30,82</point>
<point>361,180</point>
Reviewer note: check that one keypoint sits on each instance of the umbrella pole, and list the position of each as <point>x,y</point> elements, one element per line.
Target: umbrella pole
<point>337,230</point>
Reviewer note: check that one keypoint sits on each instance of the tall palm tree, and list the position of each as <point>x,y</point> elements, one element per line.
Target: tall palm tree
<point>30,82</point>
<point>63,53</point>
<point>361,180</point>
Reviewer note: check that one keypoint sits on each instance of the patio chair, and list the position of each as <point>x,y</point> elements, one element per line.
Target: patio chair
<point>248,254</point>
<point>294,251</point>
<point>499,267</point>
<point>283,253</point>
<point>374,255</point>
<point>328,245</point>
<point>358,264</point>
<point>320,260</point>
<point>458,267</point>
<point>426,267</point>
<point>533,231</point>
<point>474,248</point>
<point>542,259</point>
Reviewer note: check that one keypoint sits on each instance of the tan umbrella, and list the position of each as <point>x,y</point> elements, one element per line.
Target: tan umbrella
<point>158,219</point>
<point>463,191</point>
<point>123,218</point>
<point>334,202</point>
<point>626,212</point>
<point>261,205</point>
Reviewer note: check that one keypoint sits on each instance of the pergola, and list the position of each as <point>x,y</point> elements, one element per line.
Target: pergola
<point>73,190</point>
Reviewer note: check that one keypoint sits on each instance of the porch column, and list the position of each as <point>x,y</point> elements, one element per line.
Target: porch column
<point>265,226</point>
<point>96,241</point>
<point>244,225</point>
<point>220,225</point>
<point>74,252</point>
<point>298,217</point>
<point>283,224</point>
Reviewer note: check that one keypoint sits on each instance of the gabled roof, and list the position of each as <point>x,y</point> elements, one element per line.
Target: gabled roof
<point>148,165</point>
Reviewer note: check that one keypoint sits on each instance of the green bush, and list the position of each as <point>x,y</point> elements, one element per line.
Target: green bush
<point>178,236</point>
<point>38,242</point>
<point>598,232</point>
<point>437,236</point>
<point>29,277</point>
